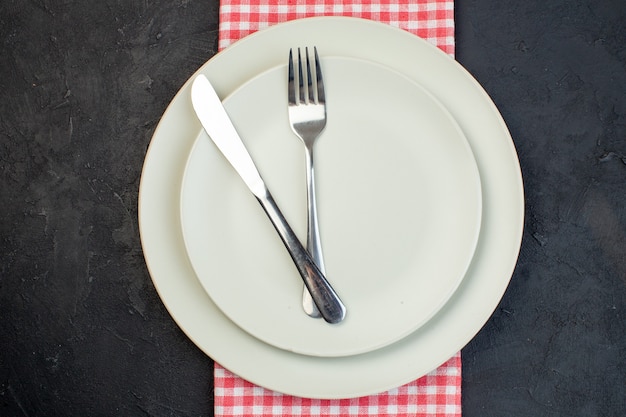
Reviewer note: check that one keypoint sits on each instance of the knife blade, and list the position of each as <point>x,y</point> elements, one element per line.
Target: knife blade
<point>219,127</point>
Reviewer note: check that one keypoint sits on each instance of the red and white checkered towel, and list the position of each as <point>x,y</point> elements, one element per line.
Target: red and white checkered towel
<point>432,20</point>
<point>437,394</point>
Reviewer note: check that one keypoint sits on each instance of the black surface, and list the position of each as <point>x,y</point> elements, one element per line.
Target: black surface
<point>82,87</point>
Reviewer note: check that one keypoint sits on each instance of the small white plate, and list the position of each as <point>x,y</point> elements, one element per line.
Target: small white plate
<point>399,204</point>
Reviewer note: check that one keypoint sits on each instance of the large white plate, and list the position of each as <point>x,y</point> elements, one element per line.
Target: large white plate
<point>398,198</point>
<point>415,355</point>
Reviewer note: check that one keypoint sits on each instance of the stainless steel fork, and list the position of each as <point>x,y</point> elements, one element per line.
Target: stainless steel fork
<point>307,115</point>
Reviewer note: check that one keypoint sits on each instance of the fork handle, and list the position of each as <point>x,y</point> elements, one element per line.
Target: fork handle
<point>324,296</point>
<point>313,241</point>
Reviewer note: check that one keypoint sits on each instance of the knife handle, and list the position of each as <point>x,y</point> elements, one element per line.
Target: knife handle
<point>324,296</point>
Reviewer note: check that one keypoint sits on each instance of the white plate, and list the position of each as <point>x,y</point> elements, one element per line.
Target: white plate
<point>415,355</point>
<point>399,205</point>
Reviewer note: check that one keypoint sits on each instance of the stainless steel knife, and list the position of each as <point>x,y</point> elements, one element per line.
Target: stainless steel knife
<point>217,123</point>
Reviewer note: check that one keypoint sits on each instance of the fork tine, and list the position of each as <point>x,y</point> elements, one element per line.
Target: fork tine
<point>291,87</point>
<point>321,97</point>
<point>300,79</point>
<point>309,80</point>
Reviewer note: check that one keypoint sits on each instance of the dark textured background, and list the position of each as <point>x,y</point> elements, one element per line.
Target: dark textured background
<point>82,87</point>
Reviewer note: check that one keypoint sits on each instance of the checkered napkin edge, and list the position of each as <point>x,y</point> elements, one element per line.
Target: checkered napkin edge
<point>437,394</point>
<point>432,20</point>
